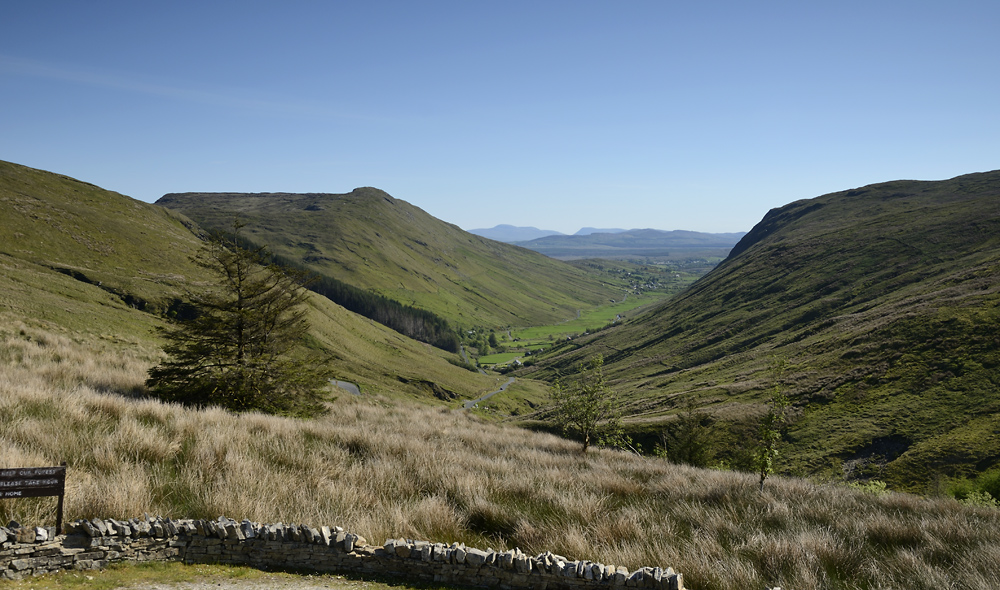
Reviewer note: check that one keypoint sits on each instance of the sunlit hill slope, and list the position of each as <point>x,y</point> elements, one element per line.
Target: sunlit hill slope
<point>371,240</point>
<point>885,300</point>
<point>105,269</point>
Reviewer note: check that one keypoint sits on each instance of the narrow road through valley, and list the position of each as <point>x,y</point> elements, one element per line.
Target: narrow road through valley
<point>465,357</point>
<point>472,403</point>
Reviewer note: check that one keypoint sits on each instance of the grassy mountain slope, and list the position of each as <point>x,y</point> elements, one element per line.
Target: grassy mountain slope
<point>651,244</point>
<point>371,240</point>
<point>885,300</point>
<point>87,259</point>
<point>390,470</point>
<point>102,268</point>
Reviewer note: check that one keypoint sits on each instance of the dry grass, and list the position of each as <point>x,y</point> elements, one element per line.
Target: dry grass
<point>387,470</point>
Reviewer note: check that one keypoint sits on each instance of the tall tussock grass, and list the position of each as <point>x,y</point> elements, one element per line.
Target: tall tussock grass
<point>389,470</point>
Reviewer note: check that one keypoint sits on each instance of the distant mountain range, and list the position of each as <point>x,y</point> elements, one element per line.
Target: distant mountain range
<point>647,244</point>
<point>617,244</point>
<point>513,233</point>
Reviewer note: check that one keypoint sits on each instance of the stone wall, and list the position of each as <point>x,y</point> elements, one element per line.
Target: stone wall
<point>94,544</point>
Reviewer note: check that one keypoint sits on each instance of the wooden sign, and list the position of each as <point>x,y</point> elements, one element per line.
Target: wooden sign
<point>33,482</point>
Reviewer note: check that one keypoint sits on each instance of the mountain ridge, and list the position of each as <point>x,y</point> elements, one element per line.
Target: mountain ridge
<point>884,300</point>
<point>100,267</point>
<point>369,239</point>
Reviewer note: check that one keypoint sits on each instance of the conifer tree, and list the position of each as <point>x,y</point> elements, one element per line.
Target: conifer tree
<point>690,438</point>
<point>239,351</point>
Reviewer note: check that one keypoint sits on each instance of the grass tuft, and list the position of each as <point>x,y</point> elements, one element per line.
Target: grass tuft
<point>389,470</point>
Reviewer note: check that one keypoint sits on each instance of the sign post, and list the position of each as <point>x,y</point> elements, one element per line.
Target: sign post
<point>33,482</point>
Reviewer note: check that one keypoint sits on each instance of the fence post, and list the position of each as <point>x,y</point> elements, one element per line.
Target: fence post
<point>62,494</point>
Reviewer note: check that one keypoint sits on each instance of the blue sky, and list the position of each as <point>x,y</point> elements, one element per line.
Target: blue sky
<point>558,115</point>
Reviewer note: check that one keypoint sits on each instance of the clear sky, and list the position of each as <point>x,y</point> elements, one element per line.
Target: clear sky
<point>558,115</point>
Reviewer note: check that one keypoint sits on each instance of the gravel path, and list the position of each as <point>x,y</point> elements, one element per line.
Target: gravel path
<point>263,581</point>
<point>195,577</point>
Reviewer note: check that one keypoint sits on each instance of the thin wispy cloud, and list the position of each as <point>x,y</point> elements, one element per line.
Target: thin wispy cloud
<point>229,99</point>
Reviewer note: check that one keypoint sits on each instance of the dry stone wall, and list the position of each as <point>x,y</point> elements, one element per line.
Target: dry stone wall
<point>93,544</point>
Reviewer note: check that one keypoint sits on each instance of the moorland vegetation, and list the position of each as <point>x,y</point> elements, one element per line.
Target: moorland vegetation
<point>387,469</point>
<point>85,262</point>
<point>883,301</point>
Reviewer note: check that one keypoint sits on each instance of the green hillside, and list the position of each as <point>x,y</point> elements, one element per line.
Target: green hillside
<point>105,269</point>
<point>371,240</point>
<point>86,259</point>
<point>885,300</point>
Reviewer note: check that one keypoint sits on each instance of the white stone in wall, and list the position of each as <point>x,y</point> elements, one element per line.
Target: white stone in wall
<point>621,576</point>
<point>475,557</point>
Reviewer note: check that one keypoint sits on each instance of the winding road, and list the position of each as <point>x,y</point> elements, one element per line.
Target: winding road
<point>465,357</point>
<point>472,403</point>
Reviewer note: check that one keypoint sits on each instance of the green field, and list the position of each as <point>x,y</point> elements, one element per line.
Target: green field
<point>525,396</point>
<point>500,358</point>
<point>590,320</point>
<point>641,285</point>
<point>668,281</point>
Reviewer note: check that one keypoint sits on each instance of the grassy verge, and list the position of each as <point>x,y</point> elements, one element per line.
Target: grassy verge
<point>500,358</point>
<point>520,398</point>
<point>171,575</point>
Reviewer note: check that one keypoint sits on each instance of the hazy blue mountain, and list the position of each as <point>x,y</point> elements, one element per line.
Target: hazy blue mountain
<point>586,231</point>
<point>513,233</point>
<point>650,244</point>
